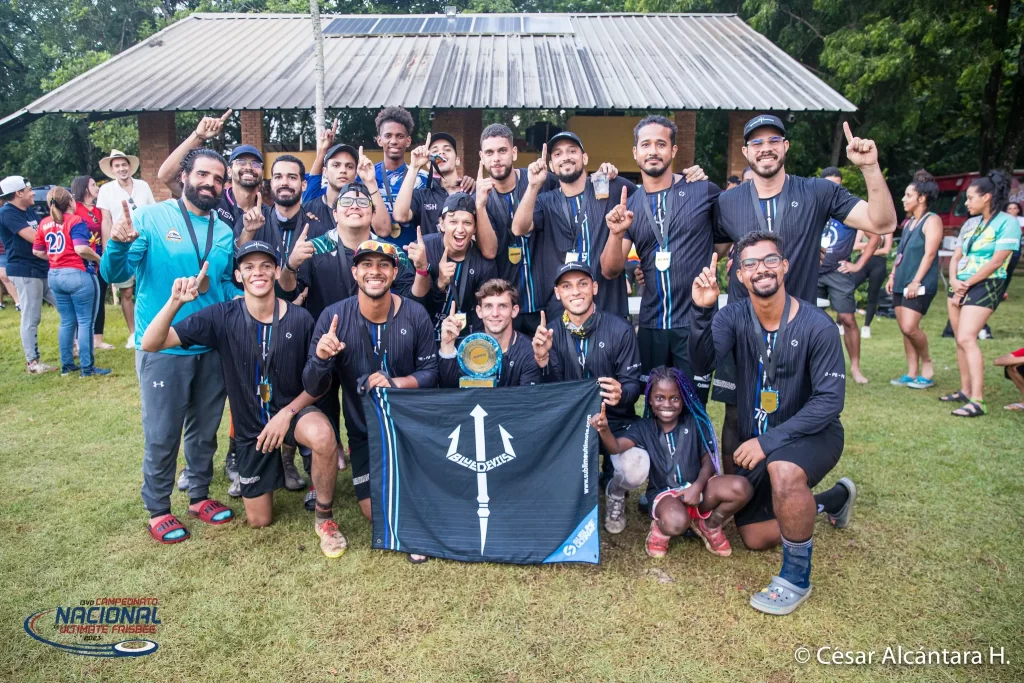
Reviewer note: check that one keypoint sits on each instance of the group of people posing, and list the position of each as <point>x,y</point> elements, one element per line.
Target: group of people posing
<point>363,276</point>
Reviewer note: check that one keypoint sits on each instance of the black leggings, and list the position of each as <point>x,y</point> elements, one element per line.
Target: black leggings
<point>101,313</point>
<point>874,273</point>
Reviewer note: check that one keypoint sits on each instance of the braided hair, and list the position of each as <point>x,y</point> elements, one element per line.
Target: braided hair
<point>706,430</point>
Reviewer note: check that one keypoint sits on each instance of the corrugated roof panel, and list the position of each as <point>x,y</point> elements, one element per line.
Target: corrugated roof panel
<point>636,61</point>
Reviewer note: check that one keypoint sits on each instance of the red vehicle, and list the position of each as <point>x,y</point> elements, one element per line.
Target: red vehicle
<point>951,207</point>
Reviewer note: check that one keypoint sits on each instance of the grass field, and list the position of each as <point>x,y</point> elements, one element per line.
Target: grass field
<point>932,560</point>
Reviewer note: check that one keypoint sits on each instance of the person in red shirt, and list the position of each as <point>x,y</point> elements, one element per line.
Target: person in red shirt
<point>84,190</point>
<point>63,240</point>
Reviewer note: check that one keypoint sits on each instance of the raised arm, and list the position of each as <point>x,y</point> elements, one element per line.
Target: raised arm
<point>486,239</point>
<point>616,248</point>
<point>878,214</point>
<point>324,346</point>
<point>537,173</point>
<point>381,221</point>
<point>402,210</point>
<point>160,335</point>
<point>209,128</point>
<point>709,340</point>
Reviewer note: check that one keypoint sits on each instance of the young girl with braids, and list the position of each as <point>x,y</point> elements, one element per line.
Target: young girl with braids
<point>685,483</point>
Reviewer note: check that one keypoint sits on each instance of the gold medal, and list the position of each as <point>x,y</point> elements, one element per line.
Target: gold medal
<point>662,260</point>
<point>266,392</point>
<point>769,400</point>
<point>396,231</point>
<point>461,318</point>
<point>571,257</point>
<point>515,255</point>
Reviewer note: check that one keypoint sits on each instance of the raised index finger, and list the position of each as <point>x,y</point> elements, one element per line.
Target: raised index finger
<point>202,271</point>
<point>624,196</point>
<point>360,152</point>
<point>305,230</point>
<point>427,143</point>
<point>224,117</point>
<point>419,235</point>
<point>544,153</point>
<point>714,261</point>
<point>849,133</point>
<point>543,319</point>
<point>453,308</point>
<point>334,324</point>
<point>259,200</point>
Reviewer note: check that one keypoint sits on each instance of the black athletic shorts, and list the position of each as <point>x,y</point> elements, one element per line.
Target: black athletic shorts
<point>987,293</point>
<point>723,387</point>
<point>918,303</point>
<point>669,348</point>
<point>359,463</point>
<point>259,472</point>
<point>816,455</point>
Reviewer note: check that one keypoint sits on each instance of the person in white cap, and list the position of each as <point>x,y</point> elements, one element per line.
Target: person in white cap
<point>120,167</point>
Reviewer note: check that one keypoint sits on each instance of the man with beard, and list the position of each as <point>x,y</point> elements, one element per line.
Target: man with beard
<point>791,384</point>
<point>795,208</point>
<point>450,266</point>
<point>588,343</point>
<point>370,340</point>
<point>180,388</point>
<point>263,343</point>
<point>343,164</point>
<point>497,306</point>
<point>421,206</point>
<point>671,223</point>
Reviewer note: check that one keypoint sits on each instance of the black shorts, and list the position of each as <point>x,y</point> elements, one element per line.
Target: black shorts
<point>359,463</point>
<point>987,293</point>
<point>918,303</point>
<point>670,348</point>
<point>839,289</point>
<point>723,387</point>
<point>259,472</point>
<point>816,455</point>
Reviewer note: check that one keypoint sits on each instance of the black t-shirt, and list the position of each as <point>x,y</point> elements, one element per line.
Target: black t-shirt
<point>231,213</point>
<point>675,456</point>
<point>610,350</point>
<point>796,214</point>
<point>577,225</point>
<point>518,367</point>
<point>426,206</point>
<point>810,369</point>
<point>241,340</point>
<point>688,236</point>
<point>318,215</point>
<point>408,349</point>
<point>470,274</point>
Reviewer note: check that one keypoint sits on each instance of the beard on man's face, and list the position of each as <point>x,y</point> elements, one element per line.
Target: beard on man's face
<point>203,202</point>
<point>287,200</point>
<point>570,177</point>
<point>769,285</point>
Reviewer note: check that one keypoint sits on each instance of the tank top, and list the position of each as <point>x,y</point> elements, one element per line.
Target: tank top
<point>909,255</point>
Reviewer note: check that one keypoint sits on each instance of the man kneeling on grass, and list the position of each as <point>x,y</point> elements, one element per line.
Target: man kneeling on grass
<point>790,391</point>
<point>263,342</point>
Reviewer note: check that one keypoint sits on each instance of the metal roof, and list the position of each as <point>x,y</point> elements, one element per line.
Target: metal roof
<point>610,61</point>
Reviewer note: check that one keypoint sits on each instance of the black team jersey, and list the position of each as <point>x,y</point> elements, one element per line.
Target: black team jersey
<point>518,367</point>
<point>277,231</point>
<point>426,206</point>
<point>470,273</point>
<point>609,349</point>
<point>810,369</point>
<point>675,456</point>
<point>797,214</point>
<point>243,343</point>
<point>687,236</point>
<point>408,349</point>
<point>577,225</point>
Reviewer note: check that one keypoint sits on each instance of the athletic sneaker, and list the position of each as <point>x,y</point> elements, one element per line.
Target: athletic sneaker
<point>64,372</point>
<point>231,466</point>
<point>842,518</point>
<point>183,480</point>
<point>921,383</point>
<point>985,333</point>
<point>714,539</point>
<point>332,543</point>
<point>865,332</point>
<point>657,542</point>
<point>614,513</point>
<point>37,367</point>
<point>235,490</point>
<point>130,344</point>
<point>841,331</point>
<point>97,372</point>
<point>902,381</point>
<point>309,502</point>
<point>292,480</point>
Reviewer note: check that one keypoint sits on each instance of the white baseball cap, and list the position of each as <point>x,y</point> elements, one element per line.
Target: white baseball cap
<point>12,184</point>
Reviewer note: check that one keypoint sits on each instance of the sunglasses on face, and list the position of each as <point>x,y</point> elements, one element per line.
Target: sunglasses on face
<point>360,202</point>
<point>770,261</point>
<point>758,143</point>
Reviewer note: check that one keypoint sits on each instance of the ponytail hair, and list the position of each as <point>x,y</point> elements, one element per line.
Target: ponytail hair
<point>924,184</point>
<point>59,200</point>
<point>997,184</point>
<point>705,429</point>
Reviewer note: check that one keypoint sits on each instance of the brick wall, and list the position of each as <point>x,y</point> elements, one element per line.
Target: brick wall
<point>735,161</point>
<point>252,128</point>
<point>686,139</point>
<point>156,141</point>
<point>465,125</point>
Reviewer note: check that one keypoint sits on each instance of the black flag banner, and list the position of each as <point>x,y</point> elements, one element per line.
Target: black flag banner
<point>486,475</point>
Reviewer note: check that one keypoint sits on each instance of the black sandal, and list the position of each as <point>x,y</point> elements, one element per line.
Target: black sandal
<point>972,409</point>
<point>955,397</point>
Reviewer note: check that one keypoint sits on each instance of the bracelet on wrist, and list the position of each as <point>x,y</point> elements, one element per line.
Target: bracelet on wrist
<point>424,273</point>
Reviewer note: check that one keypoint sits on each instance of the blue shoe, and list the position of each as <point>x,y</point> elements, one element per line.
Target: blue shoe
<point>922,383</point>
<point>902,381</point>
<point>68,369</point>
<point>97,372</point>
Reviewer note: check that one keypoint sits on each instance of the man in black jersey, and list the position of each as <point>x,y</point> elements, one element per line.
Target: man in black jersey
<point>497,305</point>
<point>421,206</point>
<point>671,222</point>
<point>263,342</point>
<point>794,208</point>
<point>370,340</point>
<point>343,165</point>
<point>791,385</point>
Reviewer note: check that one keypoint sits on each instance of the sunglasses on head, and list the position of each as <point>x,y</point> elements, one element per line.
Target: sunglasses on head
<point>382,247</point>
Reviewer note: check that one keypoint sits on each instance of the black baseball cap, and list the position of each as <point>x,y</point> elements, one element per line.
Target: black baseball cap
<point>353,187</point>
<point>348,149</point>
<point>573,267</point>
<point>447,137</point>
<point>459,201</point>
<point>760,121</point>
<point>257,247</point>
<point>370,247</point>
<point>565,135</point>
<point>245,149</point>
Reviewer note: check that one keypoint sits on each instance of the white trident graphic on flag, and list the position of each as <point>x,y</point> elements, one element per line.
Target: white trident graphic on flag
<point>481,465</point>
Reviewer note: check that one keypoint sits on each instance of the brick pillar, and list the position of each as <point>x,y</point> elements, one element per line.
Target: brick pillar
<point>156,142</point>
<point>465,125</point>
<point>735,162</point>
<point>686,139</point>
<point>252,128</point>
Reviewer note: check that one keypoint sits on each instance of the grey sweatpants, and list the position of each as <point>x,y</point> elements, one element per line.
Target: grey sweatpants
<point>178,392</point>
<point>32,291</point>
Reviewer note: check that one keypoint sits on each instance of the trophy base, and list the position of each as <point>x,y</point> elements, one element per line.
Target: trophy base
<point>477,382</point>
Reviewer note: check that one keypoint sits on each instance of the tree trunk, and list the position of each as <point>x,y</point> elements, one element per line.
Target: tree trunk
<point>837,140</point>
<point>990,98</point>
<point>1013,136</point>
<point>318,40</point>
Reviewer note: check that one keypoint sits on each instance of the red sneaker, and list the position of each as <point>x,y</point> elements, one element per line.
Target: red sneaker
<point>657,542</point>
<point>714,539</point>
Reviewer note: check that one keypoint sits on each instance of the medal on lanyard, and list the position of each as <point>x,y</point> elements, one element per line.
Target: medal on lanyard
<point>572,257</point>
<point>266,391</point>
<point>769,400</point>
<point>662,260</point>
<point>461,319</point>
<point>770,397</point>
<point>264,388</point>
<point>396,228</point>
<point>662,257</point>
<point>204,286</point>
<point>515,255</point>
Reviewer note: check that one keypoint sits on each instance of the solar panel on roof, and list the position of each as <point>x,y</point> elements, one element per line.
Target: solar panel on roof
<point>540,24</point>
<point>437,25</point>
<point>351,26</point>
<point>394,25</point>
<point>497,25</point>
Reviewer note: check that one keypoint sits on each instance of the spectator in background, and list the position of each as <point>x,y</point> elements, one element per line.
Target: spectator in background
<point>1017,211</point>
<point>977,278</point>
<point>732,181</point>
<point>7,284</point>
<point>874,272</point>
<point>84,190</point>
<point>1011,364</point>
<point>748,174</point>
<point>915,278</point>
<point>63,240</point>
<point>120,167</point>
<point>18,223</point>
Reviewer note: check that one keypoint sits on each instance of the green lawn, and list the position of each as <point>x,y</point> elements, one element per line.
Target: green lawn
<point>932,560</point>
